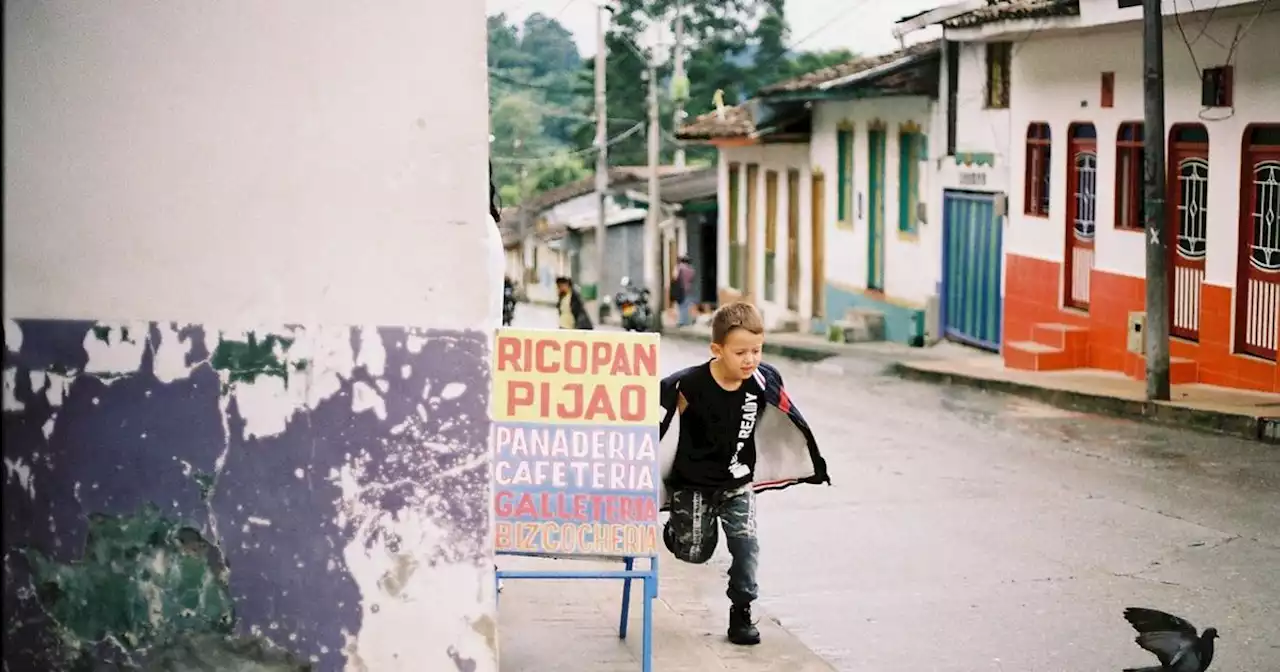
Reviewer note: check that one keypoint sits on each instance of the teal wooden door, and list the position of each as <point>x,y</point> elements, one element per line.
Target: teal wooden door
<point>875,209</point>
<point>972,263</point>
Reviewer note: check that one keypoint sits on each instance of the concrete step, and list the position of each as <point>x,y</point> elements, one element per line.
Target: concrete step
<point>1182,371</point>
<point>1061,336</point>
<point>859,326</point>
<point>1033,356</point>
<point>786,325</point>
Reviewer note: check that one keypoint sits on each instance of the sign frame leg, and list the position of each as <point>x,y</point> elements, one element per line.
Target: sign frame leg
<point>648,575</point>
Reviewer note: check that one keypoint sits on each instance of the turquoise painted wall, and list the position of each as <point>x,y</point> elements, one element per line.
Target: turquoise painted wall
<point>901,324</point>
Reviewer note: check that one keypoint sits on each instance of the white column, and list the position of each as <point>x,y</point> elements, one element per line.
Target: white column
<point>722,221</point>
<point>805,240</point>
<point>782,261</point>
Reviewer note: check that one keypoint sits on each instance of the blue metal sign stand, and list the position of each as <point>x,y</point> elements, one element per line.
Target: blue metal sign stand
<point>629,572</point>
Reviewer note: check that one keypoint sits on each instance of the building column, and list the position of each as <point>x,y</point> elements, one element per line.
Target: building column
<point>247,276</point>
<point>723,226</point>
<point>805,240</point>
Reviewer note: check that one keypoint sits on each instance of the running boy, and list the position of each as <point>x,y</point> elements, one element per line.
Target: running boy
<point>724,454</point>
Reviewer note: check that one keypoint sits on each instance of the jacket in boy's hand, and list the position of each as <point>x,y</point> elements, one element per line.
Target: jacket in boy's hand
<point>786,452</point>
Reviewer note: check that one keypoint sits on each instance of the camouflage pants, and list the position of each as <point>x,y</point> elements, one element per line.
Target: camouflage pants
<point>690,534</point>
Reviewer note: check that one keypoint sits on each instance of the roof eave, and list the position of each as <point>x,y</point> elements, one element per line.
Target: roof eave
<point>860,84</point>
<point>935,16</point>
<point>871,73</point>
<point>710,139</point>
<point>993,30</point>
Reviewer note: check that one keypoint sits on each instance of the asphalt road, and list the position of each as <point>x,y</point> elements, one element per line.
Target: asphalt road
<point>969,531</point>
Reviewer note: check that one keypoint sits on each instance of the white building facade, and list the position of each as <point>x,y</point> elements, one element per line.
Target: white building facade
<point>824,194</point>
<point>1074,244</point>
<point>764,200</point>
<point>882,235</point>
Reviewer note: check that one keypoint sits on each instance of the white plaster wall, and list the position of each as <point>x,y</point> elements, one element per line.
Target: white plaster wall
<point>913,266</point>
<point>515,265</point>
<point>1042,90</point>
<point>247,163</point>
<point>780,158</point>
<point>262,163</point>
<point>978,129</point>
<point>1096,12</point>
<point>552,262</point>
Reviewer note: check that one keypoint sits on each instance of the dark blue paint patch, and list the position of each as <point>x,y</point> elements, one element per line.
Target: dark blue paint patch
<point>139,442</point>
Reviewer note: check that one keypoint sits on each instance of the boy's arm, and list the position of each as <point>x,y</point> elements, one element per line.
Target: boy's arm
<point>671,399</point>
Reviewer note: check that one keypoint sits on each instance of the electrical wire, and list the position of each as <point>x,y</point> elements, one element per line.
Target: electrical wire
<point>790,50</point>
<point>555,112</point>
<point>1241,31</point>
<point>1245,31</point>
<point>497,74</point>
<point>572,153</point>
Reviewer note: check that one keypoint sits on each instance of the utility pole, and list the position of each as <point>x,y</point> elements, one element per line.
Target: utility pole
<point>678,83</point>
<point>602,157</point>
<point>652,233</point>
<point>1154,182</point>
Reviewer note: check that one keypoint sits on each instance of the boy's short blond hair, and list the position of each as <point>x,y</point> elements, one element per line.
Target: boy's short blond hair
<point>735,315</point>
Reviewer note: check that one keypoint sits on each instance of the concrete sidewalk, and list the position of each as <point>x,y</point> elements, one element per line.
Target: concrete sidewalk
<point>1241,413</point>
<point>800,346</point>
<point>572,625</point>
<point>1249,415</point>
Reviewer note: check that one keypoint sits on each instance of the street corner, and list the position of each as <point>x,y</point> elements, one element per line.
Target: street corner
<point>573,624</point>
<point>778,649</point>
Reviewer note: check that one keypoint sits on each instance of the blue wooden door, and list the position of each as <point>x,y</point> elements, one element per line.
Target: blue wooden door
<point>972,262</point>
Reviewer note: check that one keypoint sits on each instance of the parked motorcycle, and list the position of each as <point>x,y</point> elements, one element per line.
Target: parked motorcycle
<point>508,303</point>
<point>633,306</point>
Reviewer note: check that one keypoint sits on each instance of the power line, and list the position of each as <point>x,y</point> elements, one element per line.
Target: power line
<point>500,76</point>
<point>827,24</point>
<point>555,112</point>
<point>790,50</point>
<point>577,152</point>
<point>562,8</point>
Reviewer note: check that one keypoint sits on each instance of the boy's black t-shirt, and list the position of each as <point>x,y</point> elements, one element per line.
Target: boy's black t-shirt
<point>717,445</point>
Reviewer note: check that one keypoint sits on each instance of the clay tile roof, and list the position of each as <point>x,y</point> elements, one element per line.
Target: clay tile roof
<point>817,78</point>
<point>1011,10</point>
<point>734,123</point>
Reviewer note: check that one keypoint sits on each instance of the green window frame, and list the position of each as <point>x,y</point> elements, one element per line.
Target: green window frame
<point>911,151</point>
<point>844,176</point>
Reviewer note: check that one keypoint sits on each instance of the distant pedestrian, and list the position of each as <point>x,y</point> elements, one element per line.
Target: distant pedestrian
<point>573,313</point>
<point>714,475</point>
<point>682,294</point>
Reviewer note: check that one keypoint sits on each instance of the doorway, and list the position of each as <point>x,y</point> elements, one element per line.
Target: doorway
<point>1187,225</point>
<point>1082,214</point>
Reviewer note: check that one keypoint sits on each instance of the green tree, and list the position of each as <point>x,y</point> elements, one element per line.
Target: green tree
<point>534,104</point>
<point>771,58</point>
<point>716,31</point>
<point>504,44</point>
<point>812,61</point>
<point>542,92</point>
<point>549,46</point>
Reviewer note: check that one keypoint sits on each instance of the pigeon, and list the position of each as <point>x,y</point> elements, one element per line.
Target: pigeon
<point>1173,640</point>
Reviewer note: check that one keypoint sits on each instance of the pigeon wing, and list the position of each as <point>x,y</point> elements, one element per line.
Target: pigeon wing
<point>1173,649</point>
<point>1152,620</point>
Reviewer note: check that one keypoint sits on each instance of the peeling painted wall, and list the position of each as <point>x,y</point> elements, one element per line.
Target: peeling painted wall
<point>248,295</point>
<point>317,495</point>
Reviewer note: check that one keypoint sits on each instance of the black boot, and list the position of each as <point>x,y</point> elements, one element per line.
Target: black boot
<point>741,630</point>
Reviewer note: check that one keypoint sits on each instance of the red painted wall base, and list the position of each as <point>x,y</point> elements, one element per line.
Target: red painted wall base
<point>1033,296</point>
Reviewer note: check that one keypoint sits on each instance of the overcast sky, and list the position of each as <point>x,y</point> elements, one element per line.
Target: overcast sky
<point>861,26</point>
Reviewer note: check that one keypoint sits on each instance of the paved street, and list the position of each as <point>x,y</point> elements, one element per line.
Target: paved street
<point>971,531</point>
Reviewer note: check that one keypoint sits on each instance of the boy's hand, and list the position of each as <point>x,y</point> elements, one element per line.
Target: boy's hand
<point>681,404</point>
